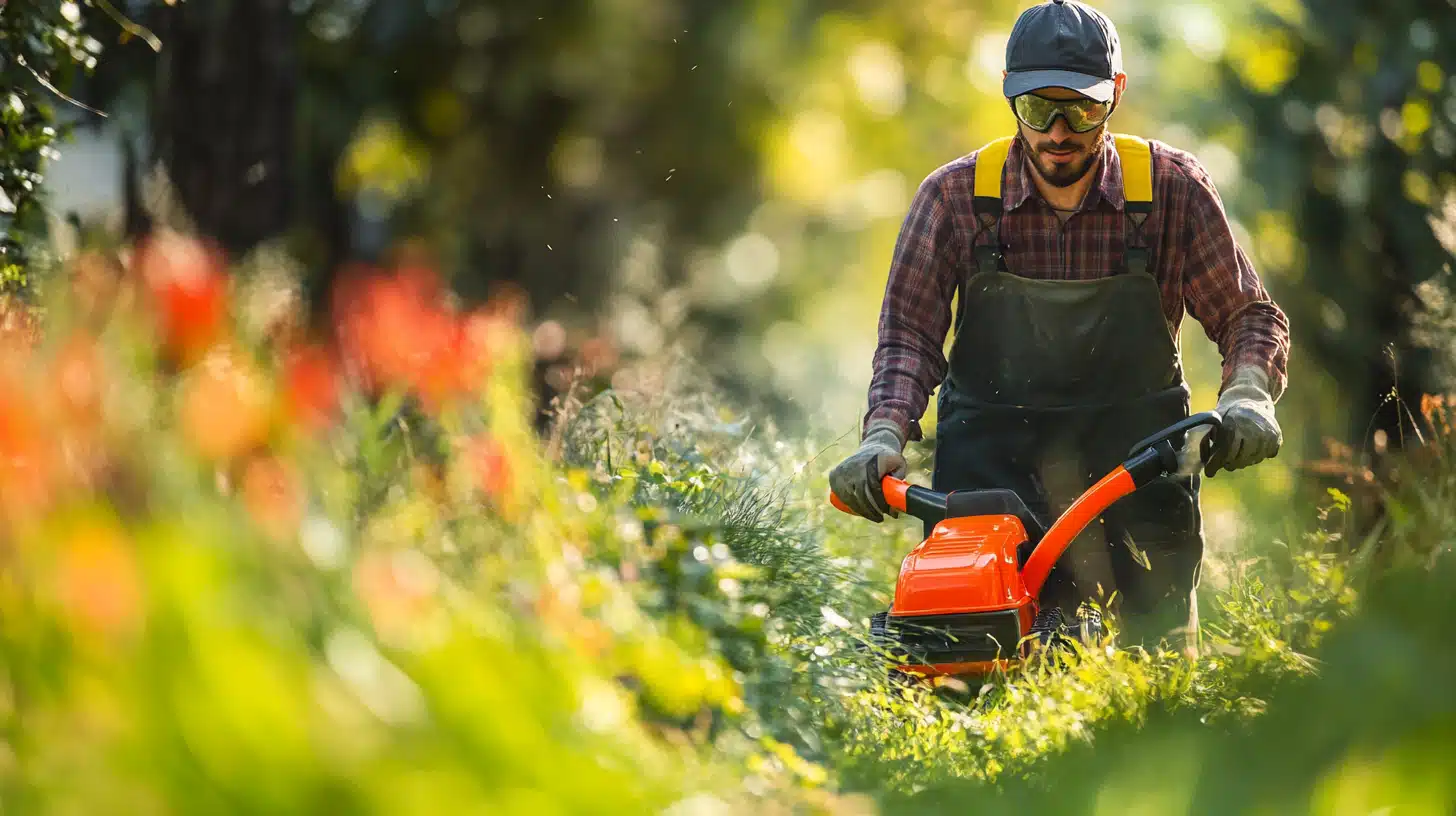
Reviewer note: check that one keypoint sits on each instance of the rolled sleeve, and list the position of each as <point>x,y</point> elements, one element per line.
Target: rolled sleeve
<point>909,361</point>
<point>1223,292</point>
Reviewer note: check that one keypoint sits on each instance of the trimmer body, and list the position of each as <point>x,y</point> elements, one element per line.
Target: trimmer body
<point>967,598</point>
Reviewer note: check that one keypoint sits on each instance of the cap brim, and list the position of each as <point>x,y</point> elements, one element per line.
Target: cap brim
<point>1022,82</point>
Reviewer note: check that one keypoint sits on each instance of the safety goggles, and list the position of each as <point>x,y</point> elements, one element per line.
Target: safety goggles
<point>1038,112</point>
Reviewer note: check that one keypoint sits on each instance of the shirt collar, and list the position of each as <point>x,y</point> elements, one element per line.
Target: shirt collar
<point>1106,185</point>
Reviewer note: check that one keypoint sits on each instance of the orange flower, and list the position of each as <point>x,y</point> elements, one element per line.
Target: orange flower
<point>97,580</point>
<point>310,385</point>
<point>187,284</point>
<point>273,495</point>
<point>224,406</point>
<point>27,455</point>
<point>490,465</point>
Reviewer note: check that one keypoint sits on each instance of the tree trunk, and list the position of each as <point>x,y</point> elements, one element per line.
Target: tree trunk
<point>223,116</point>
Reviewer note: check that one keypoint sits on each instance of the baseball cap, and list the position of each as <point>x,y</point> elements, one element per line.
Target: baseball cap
<point>1064,44</point>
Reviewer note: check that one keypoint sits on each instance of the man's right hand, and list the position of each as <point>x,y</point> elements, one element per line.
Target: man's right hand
<point>856,480</point>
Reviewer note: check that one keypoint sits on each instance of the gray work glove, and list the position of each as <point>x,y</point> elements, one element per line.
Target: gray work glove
<point>856,480</point>
<point>1249,433</point>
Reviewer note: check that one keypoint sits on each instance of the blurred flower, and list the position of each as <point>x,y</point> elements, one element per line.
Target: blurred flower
<point>398,331</point>
<point>396,587</point>
<point>381,325</point>
<point>490,465</point>
<point>187,285</point>
<point>224,406</point>
<point>27,457</point>
<point>310,387</point>
<point>273,494</point>
<point>440,375</point>
<point>97,579</point>
<point>1434,407</point>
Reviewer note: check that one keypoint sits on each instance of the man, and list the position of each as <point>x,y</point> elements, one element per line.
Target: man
<point>1074,258</point>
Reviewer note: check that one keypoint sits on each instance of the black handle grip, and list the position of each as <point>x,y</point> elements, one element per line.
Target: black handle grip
<point>1177,429</point>
<point>925,504</point>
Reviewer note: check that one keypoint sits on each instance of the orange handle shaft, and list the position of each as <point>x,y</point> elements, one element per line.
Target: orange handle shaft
<point>1087,507</point>
<point>895,492</point>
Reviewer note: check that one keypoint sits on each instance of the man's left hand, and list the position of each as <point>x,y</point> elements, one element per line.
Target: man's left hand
<point>1249,433</point>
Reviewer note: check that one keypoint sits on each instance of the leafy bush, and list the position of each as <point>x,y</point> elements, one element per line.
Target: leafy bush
<point>44,45</point>
<point>251,569</point>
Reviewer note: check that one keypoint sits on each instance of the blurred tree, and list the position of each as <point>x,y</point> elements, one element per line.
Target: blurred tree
<point>42,49</point>
<point>222,115</point>
<point>534,141</point>
<point>1351,127</point>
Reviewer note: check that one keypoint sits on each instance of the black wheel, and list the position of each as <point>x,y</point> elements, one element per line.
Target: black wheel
<point>876,636</point>
<point>1049,627</point>
<point>1090,629</point>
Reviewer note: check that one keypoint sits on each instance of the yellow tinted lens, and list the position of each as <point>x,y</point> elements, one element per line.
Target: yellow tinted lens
<point>1035,111</point>
<point>1081,114</point>
<point>1084,114</point>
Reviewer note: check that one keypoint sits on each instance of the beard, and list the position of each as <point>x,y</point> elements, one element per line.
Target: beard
<point>1063,175</point>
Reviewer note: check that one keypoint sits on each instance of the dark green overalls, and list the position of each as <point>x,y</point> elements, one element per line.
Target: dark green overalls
<point>1050,383</point>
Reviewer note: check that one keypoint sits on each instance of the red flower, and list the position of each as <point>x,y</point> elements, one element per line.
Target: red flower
<point>186,282</point>
<point>310,387</point>
<point>398,331</point>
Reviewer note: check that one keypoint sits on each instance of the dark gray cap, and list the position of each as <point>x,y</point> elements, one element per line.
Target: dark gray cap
<point>1064,44</point>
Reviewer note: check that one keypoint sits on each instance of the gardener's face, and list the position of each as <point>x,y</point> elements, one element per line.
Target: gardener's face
<point>1061,156</point>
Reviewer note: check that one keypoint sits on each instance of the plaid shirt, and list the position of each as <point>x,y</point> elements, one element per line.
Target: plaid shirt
<point>1199,267</point>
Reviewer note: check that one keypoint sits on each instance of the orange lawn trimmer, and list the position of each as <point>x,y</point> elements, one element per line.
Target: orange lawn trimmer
<point>966,602</point>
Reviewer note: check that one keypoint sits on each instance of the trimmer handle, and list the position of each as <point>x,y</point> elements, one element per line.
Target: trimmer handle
<point>1210,418</point>
<point>921,502</point>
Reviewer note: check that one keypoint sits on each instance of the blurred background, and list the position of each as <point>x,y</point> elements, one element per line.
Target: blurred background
<point>722,181</point>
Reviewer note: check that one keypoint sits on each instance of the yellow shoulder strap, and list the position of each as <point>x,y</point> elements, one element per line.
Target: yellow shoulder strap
<point>1134,153</point>
<point>1137,172</point>
<point>990,160</point>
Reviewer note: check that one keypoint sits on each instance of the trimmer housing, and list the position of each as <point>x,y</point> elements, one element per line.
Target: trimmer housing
<point>967,596</point>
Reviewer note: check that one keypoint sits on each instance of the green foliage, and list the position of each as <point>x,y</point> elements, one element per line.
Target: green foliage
<point>42,48</point>
<point>1345,117</point>
<point>880,737</point>
<point>419,607</point>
